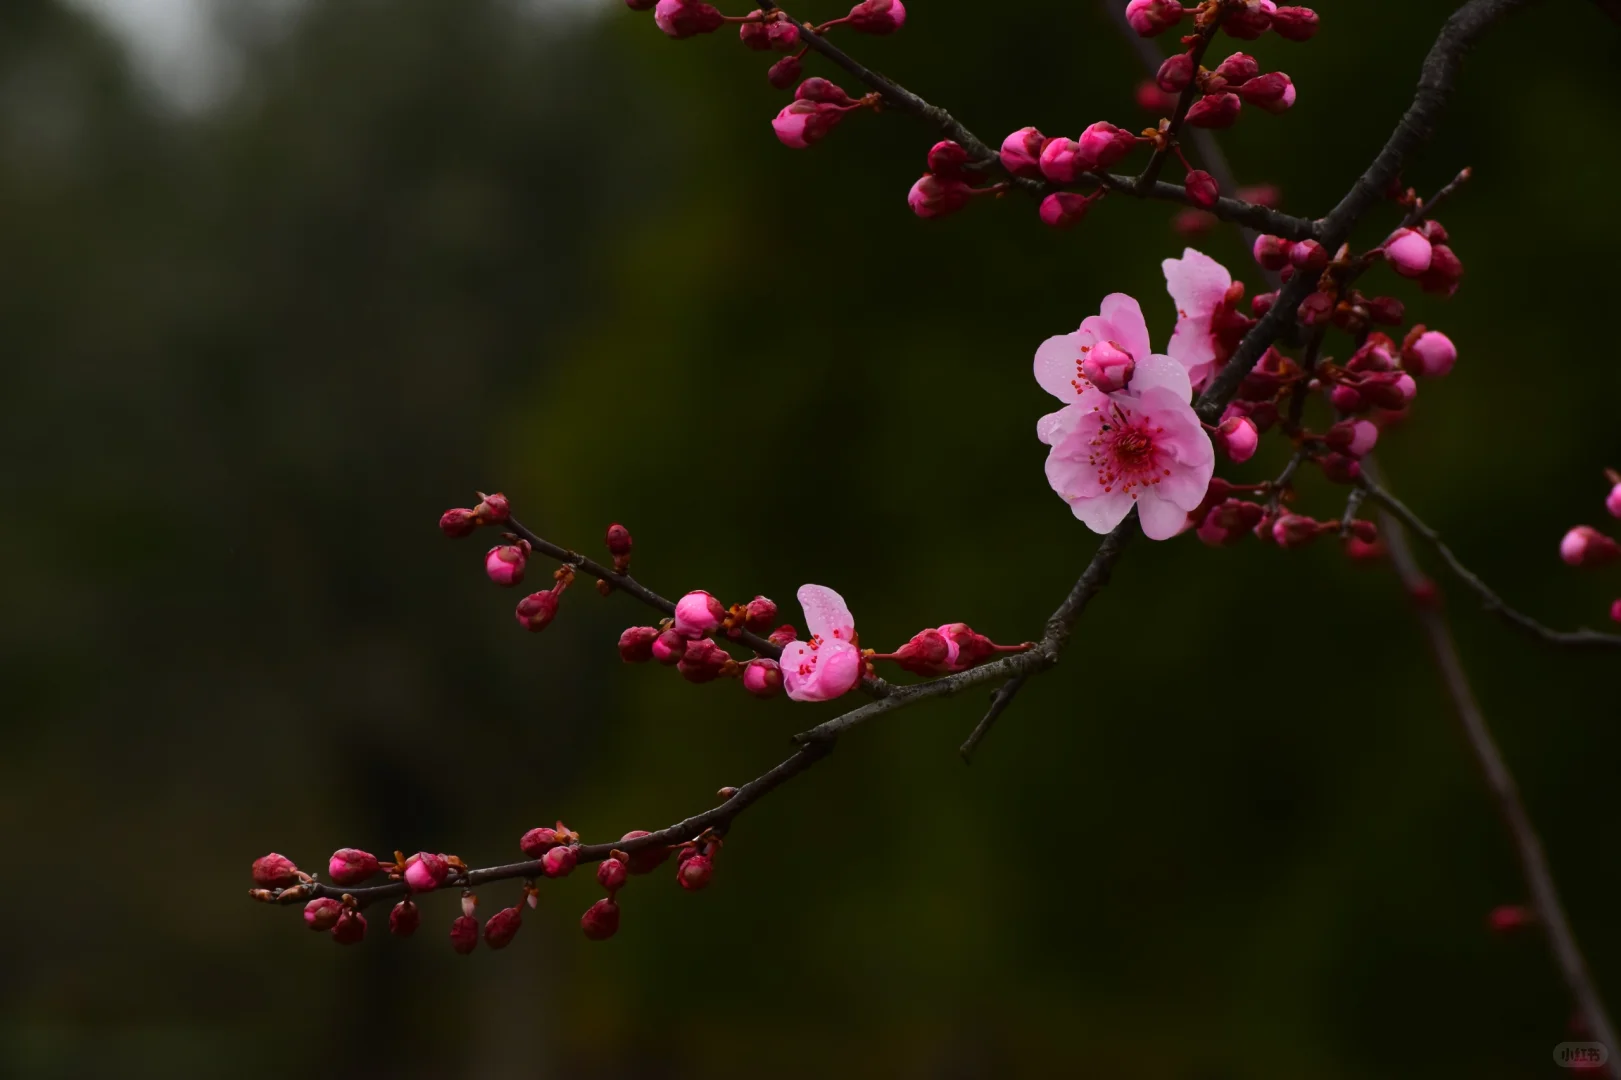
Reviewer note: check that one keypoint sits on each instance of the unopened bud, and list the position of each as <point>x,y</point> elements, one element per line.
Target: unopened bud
<point>1151,17</point>
<point>1236,70</point>
<point>636,644</point>
<point>669,647</point>
<point>611,874</point>
<point>464,934</point>
<point>1108,367</point>
<point>947,158</point>
<point>350,866</point>
<point>1586,547</point>
<point>1215,111</point>
<point>322,913</point>
<point>1353,437</point>
<point>601,920</point>
<point>1445,271</point>
<point>784,72</point>
<point>695,872</point>
<point>647,859</point>
<point>1103,144</point>
<point>426,871</point>
<point>493,510</point>
<point>502,927</point>
<point>275,871</point>
<point>536,611</point>
<point>1315,309</point>
<point>685,18</point>
<point>1249,20</point>
<point>936,196</point>
<point>1293,530</point>
<point>698,613</point>
<point>537,842</point>
<point>1228,521</point>
<point>505,563</point>
<point>1294,23</point>
<point>1387,311</point>
<point>1428,353</point>
<point>1272,252</point>
<point>762,677</point>
<point>805,122</point>
<point>350,928</point>
<point>1175,73</point>
<point>1062,209</point>
<point>1309,256</point>
<point>1408,253</point>
<point>618,540</point>
<point>1237,438</point>
<point>458,523</point>
<point>1021,152</point>
<point>404,919</point>
<point>877,16</point>
<point>1201,188</point>
<point>782,635</point>
<point>559,861</point>
<point>759,614</point>
<point>704,661</point>
<point>1340,468</point>
<point>1273,92</point>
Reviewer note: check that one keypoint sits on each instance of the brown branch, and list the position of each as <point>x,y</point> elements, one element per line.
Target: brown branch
<point>1527,845</point>
<point>1000,700</point>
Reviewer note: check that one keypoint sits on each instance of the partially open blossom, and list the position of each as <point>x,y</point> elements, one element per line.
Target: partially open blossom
<point>684,18</point>
<point>947,158</point>
<point>1274,92</point>
<point>1250,20</point>
<point>694,873</point>
<point>1021,152</point>
<point>762,677</point>
<point>1206,330</point>
<point>1428,353</point>
<point>704,661</point>
<point>1215,111</point>
<point>1237,438</point>
<point>1294,23</point>
<point>601,920</point>
<point>1103,144</point>
<point>1141,447</point>
<point>1108,367</point>
<point>464,934</point>
<point>350,866</point>
<point>877,16</point>
<point>698,613</point>
<point>536,611</point>
<point>426,871</point>
<point>350,928</point>
<point>804,122</point>
<point>502,927</point>
<point>829,664</point>
<point>1201,188</point>
<point>1587,547</point>
<point>1175,73</point>
<point>1408,252</point>
<point>404,918</point>
<point>1061,209</point>
<point>936,196</point>
<point>322,913</point>
<point>275,871</point>
<point>669,647</point>
<point>1352,437</point>
<point>636,644</point>
<point>1151,17</point>
<point>505,563</point>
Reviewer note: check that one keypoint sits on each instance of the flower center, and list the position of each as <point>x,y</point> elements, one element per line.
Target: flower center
<point>1126,454</point>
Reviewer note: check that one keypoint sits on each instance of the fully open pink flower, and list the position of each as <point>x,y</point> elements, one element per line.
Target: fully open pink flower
<point>1198,284</point>
<point>829,664</point>
<point>1141,446</point>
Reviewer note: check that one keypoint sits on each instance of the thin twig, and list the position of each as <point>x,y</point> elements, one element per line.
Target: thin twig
<point>1527,845</point>
<point>1184,102</point>
<point>999,702</point>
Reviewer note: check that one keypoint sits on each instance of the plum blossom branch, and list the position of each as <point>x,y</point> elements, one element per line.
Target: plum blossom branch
<point>1000,700</point>
<point>1527,844</point>
<point>1488,596</point>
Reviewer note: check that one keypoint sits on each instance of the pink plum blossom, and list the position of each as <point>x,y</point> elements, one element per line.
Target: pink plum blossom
<point>1198,285</point>
<point>829,664</point>
<point>1586,546</point>
<point>1142,446</point>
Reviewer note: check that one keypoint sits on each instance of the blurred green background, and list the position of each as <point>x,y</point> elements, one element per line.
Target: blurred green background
<point>409,248</point>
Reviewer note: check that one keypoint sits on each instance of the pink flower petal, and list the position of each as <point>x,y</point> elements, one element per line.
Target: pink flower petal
<point>826,613</point>
<point>1124,317</point>
<point>1056,365</point>
<point>1156,372</point>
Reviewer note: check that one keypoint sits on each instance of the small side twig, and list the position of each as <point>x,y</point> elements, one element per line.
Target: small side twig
<point>999,702</point>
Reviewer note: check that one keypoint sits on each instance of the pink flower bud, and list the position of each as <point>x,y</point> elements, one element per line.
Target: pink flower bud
<point>762,677</point>
<point>1236,70</point>
<point>783,73</point>
<point>1215,111</point>
<point>275,871</point>
<point>1021,152</point>
<point>537,842</point>
<point>759,614</point>
<point>1352,437</point>
<point>1615,611</point>
<point>1294,531</point>
<point>618,540</point>
<point>458,523</point>
<point>698,613</point>
<point>1249,21</point>
<point>1508,918</point>
<point>684,18</point>
<point>704,661</point>
<point>1586,547</point>
<point>1151,17</point>
<point>1103,144</point>
<point>1612,501</point>
<point>934,196</point>
<point>805,122</point>
<point>1315,309</point>
<point>1272,252</point>
<point>426,871</point>
<point>783,35</point>
<point>1445,271</point>
<point>645,860</point>
<point>1309,255</point>
<point>464,931</point>
<point>1340,468</point>
<point>1108,367</point>
<point>536,611</point>
<point>1175,73</point>
<point>782,635</point>
<point>1294,23</point>
<point>947,158</point>
<point>502,927</point>
<point>823,90</point>
<point>350,866</point>
<point>636,644</point>
<point>601,920</point>
<point>669,647</point>
<point>1063,209</point>
<point>1237,438</point>
<point>350,928</point>
<point>1273,92</point>
<point>1408,253</point>
<point>695,872</point>
<point>322,913</point>
<point>404,919</point>
<point>1062,161</point>
<point>493,510</point>
<point>754,34</point>
<point>877,16</point>
<point>1387,311</point>
<point>1388,389</point>
<point>1375,354</point>
<point>559,861</point>
<point>1428,353</point>
<point>1227,522</point>
<point>1346,399</point>
<point>611,874</point>
<point>505,563</point>
<point>1201,187</point>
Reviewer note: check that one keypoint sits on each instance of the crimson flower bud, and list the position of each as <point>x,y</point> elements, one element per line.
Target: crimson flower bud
<point>1346,399</point>
<point>933,196</point>
<point>806,122</point>
<point>350,928</point>
<point>458,523</point>
<point>966,647</point>
<point>1108,367</point>
<point>685,18</point>
<point>754,34</point>
<point>1508,918</point>
<point>1201,187</point>
<point>502,927</point>
<point>1340,468</point>
<point>537,842</point>
<point>426,871</point>
<point>1294,23</point>
<point>536,611</point>
<point>1387,311</point>
<point>275,871</point>
<point>645,860</point>
<point>759,613</point>
<point>1586,547</point>
<point>350,866</point>
<point>1352,437</point>
<point>322,913</point>
<point>404,919</point>
<point>928,653</point>
<point>1388,389</point>
<point>1103,144</point>
<point>783,73</point>
<point>1021,152</point>
<point>822,90</point>
<point>601,920</point>
<point>1238,438</point>
<point>1315,309</point>
<point>947,158</point>
<point>1063,209</point>
<point>1293,530</point>
<point>618,540</point>
<point>1062,161</point>
<point>611,874</point>
<point>1175,73</point>
<point>877,16</point>
<point>782,635</point>
<point>1364,531</point>
<point>505,563</point>
<point>698,613</point>
<point>762,677</point>
<point>1228,521</point>
<point>559,861</point>
<point>1272,252</point>
<point>636,644</point>
<point>694,873</point>
<point>1215,111</point>
<point>1445,271</point>
<point>669,647</point>
<point>464,934</point>
<point>1309,255</point>
<point>1274,92</point>
<point>1261,303</point>
<point>1152,17</point>
<point>493,510</point>
<point>783,35</point>
<point>1237,69</point>
<point>1250,21</point>
<point>704,661</point>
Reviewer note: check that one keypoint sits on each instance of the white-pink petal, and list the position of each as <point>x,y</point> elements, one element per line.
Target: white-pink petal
<point>1057,360</point>
<point>826,613</point>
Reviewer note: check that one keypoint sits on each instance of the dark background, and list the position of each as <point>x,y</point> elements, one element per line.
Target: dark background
<point>251,352</point>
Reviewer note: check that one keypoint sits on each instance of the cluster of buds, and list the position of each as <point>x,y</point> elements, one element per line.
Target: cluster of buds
<point>684,642</point>
<point>945,189</point>
<point>818,107</point>
<point>1242,19</point>
<point>1225,517</point>
<point>1587,548</point>
<point>1224,90</point>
